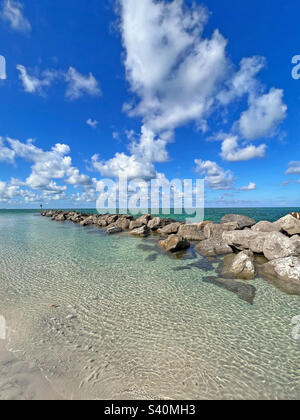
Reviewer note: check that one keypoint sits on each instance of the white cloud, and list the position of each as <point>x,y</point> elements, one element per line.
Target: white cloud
<point>6,154</point>
<point>139,164</point>
<point>250,187</point>
<point>124,165</point>
<point>48,166</point>
<point>78,84</point>
<point>33,84</point>
<point>294,168</point>
<point>92,123</point>
<point>169,65</point>
<point>12,12</point>
<point>216,177</point>
<point>243,81</point>
<point>264,115</point>
<point>233,153</point>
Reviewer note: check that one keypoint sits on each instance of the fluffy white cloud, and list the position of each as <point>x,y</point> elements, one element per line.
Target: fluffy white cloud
<point>140,164</point>
<point>47,167</point>
<point>294,168</point>
<point>233,153</point>
<point>264,115</point>
<point>216,177</point>
<point>243,81</point>
<point>124,165</point>
<point>6,154</point>
<point>250,187</point>
<point>92,123</point>
<point>78,84</point>
<point>33,84</point>
<point>169,65</point>
<point>12,12</point>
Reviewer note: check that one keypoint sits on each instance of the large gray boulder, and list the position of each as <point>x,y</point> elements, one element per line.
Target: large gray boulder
<point>87,221</point>
<point>170,229</point>
<point>159,223</point>
<point>242,266</point>
<point>245,239</point>
<point>277,245</point>
<point>289,224</point>
<point>212,248</point>
<point>136,224</point>
<point>142,231</point>
<point>60,217</point>
<point>242,221</point>
<point>145,219</point>
<point>284,273</point>
<point>123,223</point>
<point>192,232</point>
<point>174,243</point>
<point>214,231</point>
<point>265,226</point>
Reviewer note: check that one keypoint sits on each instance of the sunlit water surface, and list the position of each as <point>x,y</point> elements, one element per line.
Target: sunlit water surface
<point>127,326</point>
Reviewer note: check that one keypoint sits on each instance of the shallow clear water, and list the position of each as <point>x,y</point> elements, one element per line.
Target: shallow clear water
<point>128,326</point>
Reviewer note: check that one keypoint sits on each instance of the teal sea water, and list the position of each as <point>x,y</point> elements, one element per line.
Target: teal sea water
<point>128,325</point>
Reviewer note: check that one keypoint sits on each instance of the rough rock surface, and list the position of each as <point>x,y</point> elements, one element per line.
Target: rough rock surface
<point>212,248</point>
<point>265,226</point>
<point>192,232</point>
<point>243,266</point>
<point>245,239</point>
<point>284,273</point>
<point>212,230</point>
<point>289,224</point>
<point>244,291</point>
<point>60,218</point>
<point>277,245</point>
<point>88,221</point>
<point>242,221</point>
<point>174,243</point>
<point>136,224</point>
<point>113,230</point>
<point>142,231</point>
<point>169,229</point>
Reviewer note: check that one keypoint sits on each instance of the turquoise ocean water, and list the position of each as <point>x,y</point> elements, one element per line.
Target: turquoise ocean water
<point>129,325</point>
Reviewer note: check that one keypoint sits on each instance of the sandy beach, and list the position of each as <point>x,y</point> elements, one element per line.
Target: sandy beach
<point>20,380</point>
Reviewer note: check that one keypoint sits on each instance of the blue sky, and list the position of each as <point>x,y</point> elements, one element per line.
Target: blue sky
<point>149,89</point>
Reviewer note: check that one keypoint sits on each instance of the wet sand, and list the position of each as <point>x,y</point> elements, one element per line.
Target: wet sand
<point>20,380</point>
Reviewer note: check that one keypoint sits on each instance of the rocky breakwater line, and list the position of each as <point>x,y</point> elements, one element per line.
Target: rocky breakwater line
<point>248,249</point>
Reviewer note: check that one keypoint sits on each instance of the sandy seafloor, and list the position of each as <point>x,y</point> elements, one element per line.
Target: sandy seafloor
<point>132,323</point>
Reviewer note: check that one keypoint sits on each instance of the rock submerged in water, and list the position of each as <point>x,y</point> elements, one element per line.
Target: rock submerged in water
<point>174,243</point>
<point>244,291</point>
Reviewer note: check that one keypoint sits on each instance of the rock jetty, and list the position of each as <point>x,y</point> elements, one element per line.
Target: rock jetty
<point>249,249</point>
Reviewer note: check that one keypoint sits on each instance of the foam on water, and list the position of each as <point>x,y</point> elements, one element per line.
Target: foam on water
<point>128,326</point>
